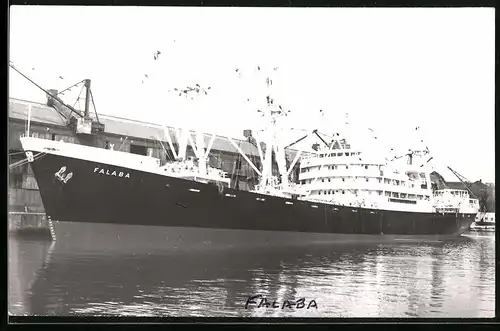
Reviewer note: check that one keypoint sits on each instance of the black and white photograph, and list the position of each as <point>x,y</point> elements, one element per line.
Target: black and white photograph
<point>251,162</point>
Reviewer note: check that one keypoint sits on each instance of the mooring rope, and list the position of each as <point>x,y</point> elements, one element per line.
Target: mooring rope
<point>26,160</point>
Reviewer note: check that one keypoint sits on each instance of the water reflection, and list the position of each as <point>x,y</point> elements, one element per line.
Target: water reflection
<point>451,279</point>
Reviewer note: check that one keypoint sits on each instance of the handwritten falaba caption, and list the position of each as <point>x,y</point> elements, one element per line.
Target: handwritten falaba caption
<point>260,301</point>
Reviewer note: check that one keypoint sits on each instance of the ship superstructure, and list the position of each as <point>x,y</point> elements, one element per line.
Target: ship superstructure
<point>343,175</point>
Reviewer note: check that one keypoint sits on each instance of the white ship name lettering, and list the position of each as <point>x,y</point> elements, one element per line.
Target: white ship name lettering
<point>115,173</point>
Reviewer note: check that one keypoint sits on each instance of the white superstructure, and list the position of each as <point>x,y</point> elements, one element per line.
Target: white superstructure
<point>343,175</point>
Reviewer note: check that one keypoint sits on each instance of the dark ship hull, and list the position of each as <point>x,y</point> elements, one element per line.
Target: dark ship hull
<point>102,206</point>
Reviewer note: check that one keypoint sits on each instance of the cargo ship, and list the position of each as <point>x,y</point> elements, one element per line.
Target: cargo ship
<point>100,198</point>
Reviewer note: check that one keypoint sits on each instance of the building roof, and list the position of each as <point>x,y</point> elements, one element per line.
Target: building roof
<point>43,114</point>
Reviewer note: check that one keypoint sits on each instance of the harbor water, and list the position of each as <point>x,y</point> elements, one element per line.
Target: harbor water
<point>439,279</point>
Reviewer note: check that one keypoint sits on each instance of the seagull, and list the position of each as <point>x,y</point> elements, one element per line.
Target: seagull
<point>156,55</point>
<point>61,77</point>
<point>145,75</point>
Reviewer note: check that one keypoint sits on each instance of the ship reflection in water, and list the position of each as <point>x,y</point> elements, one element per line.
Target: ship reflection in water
<point>452,279</point>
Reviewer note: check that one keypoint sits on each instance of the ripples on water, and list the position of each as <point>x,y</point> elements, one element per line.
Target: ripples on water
<point>451,279</point>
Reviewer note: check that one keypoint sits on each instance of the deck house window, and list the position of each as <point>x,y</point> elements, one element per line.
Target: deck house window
<point>137,149</point>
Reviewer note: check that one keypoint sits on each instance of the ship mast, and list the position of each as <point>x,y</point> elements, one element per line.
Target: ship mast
<point>191,102</point>
<point>274,137</point>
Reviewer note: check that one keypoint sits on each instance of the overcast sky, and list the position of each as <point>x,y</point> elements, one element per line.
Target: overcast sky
<point>390,69</point>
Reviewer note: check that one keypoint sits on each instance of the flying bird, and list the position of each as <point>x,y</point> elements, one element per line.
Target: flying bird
<point>61,77</point>
<point>156,55</point>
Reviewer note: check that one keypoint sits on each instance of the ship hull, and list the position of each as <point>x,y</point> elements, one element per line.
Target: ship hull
<point>106,203</point>
<point>103,238</point>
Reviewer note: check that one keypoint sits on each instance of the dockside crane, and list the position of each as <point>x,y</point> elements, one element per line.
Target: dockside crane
<point>81,123</point>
